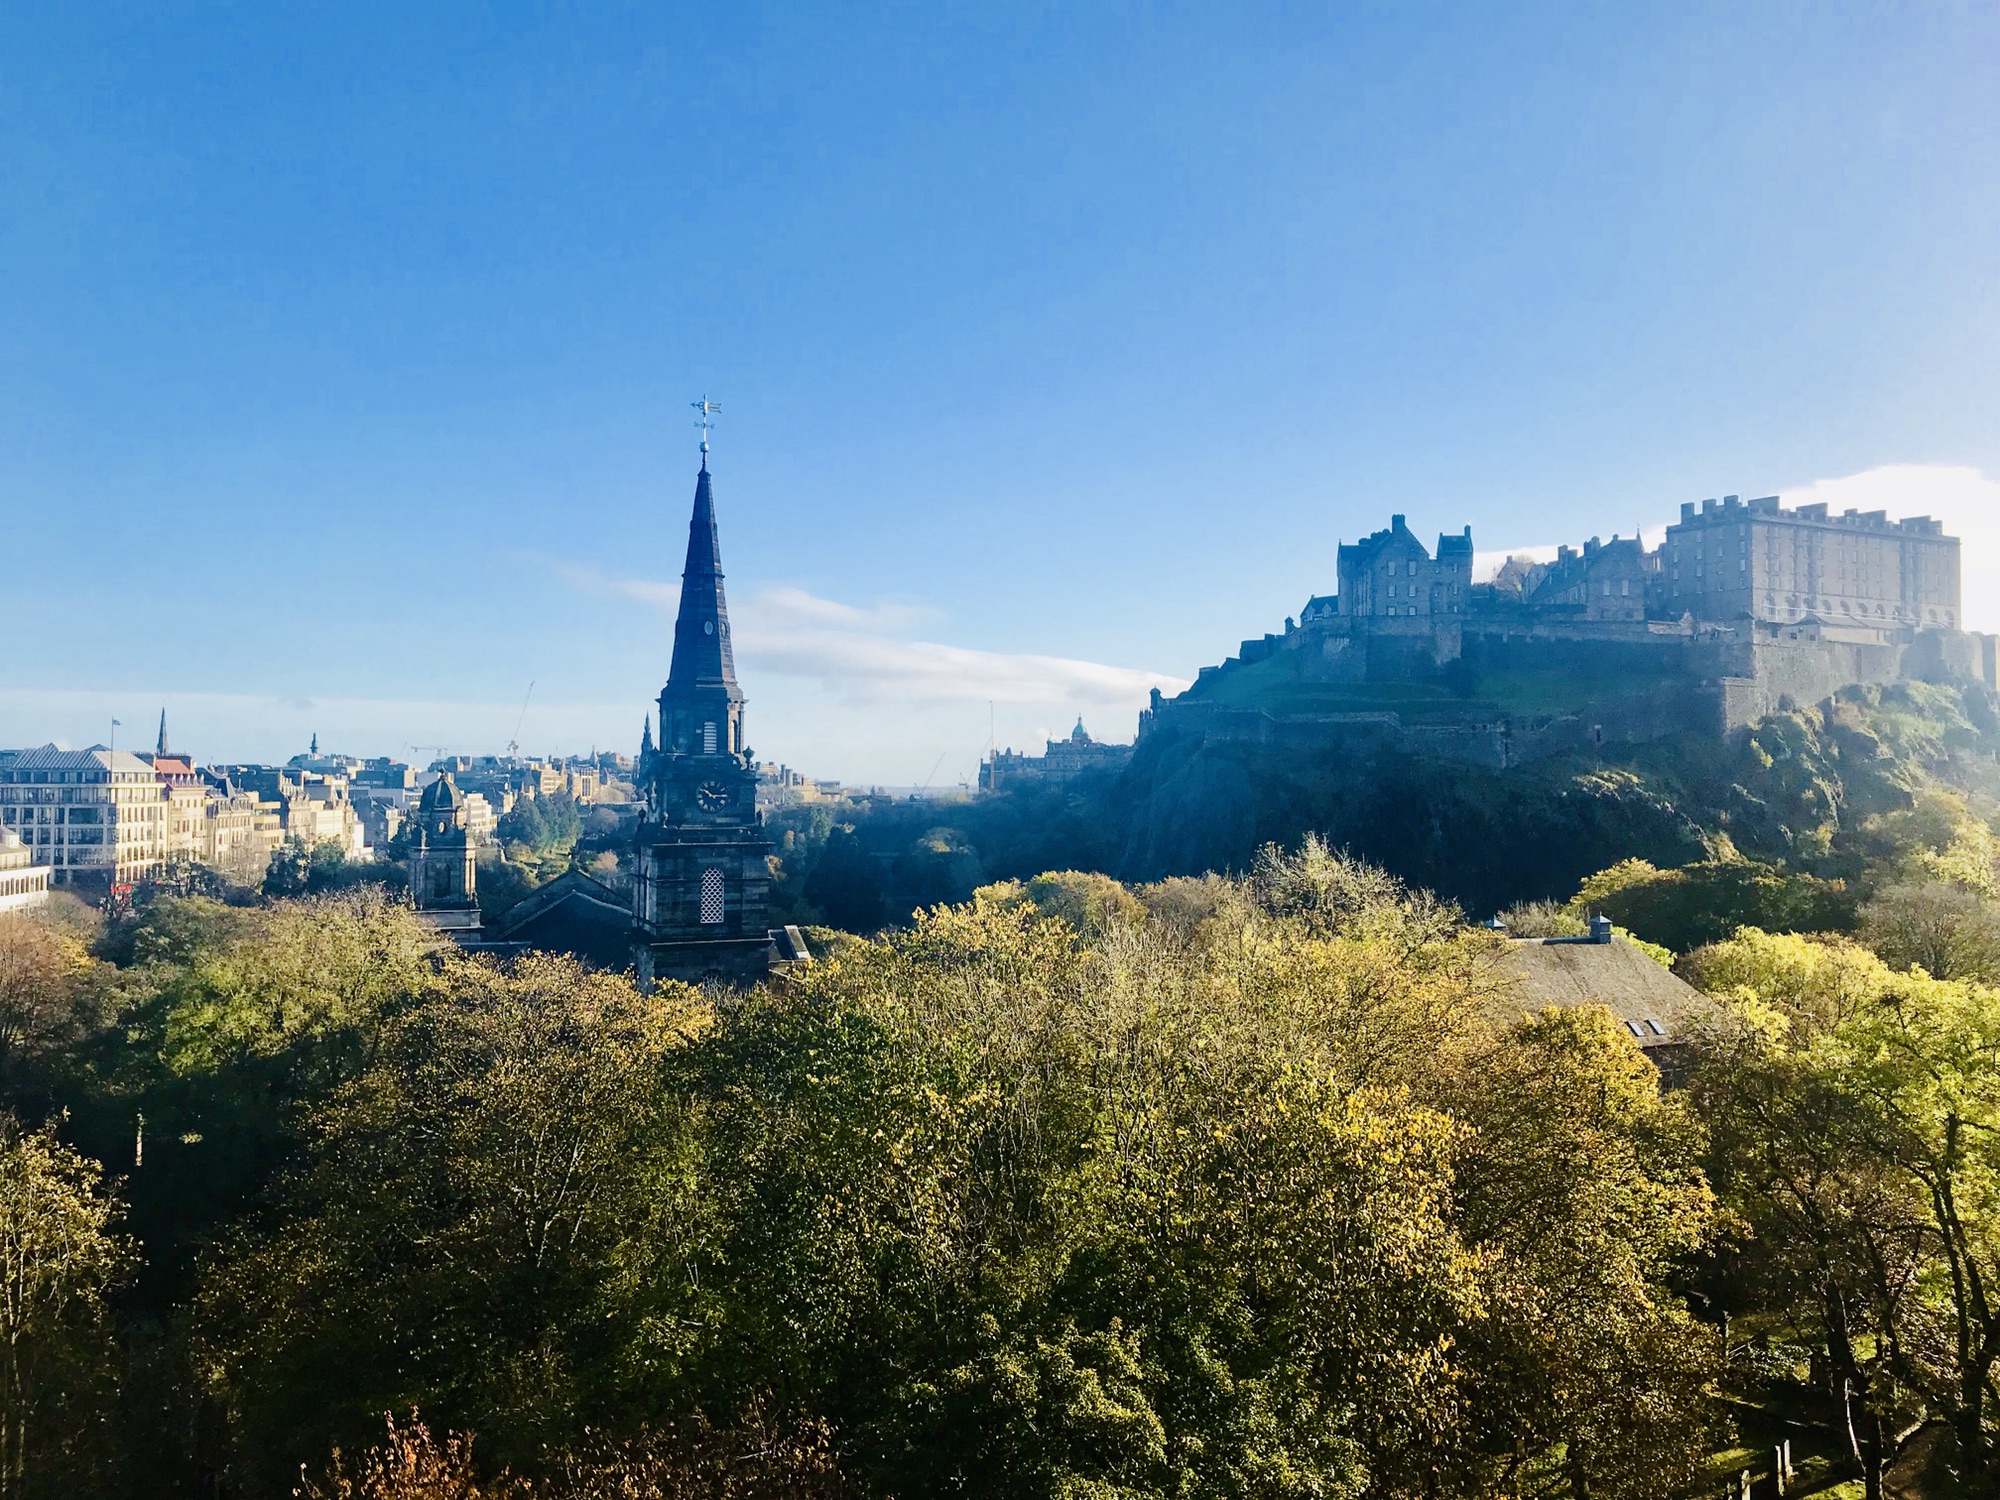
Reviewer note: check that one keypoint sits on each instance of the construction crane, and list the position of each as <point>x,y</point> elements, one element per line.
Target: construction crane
<point>514,743</point>
<point>934,770</point>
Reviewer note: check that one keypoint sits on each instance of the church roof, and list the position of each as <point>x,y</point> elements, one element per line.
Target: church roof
<point>572,913</point>
<point>702,655</point>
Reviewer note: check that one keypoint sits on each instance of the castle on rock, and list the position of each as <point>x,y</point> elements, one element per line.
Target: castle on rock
<point>1744,607</point>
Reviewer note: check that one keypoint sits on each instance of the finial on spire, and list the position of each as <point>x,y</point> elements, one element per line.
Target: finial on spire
<point>706,420</point>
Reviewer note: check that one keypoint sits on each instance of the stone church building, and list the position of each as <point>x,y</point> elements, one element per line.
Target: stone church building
<point>701,884</point>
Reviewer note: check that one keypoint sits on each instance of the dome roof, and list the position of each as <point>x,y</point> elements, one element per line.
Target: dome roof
<point>442,795</point>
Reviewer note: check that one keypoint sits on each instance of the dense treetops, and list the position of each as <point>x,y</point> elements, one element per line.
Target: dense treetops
<point>1250,1186</point>
<point>1257,1185</point>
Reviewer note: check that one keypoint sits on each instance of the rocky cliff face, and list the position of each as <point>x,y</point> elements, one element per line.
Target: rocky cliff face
<point>1783,788</point>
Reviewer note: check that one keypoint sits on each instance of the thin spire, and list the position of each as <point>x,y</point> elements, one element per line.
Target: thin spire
<point>161,747</point>
<point>702,654</point>
<point>646,738</point>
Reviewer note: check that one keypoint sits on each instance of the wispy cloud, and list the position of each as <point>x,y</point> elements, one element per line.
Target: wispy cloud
<point>782,607</point>
<point>660,593</point>
<point>862,654</point>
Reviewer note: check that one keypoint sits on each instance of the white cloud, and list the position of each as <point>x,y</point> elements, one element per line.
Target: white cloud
<point>1486,564</point>
<point>866,668</point>
<point>660,593</point>
<point>854,691</point>
<point>1959,495</point>
<point>779,607</point>
<point>862,656</point>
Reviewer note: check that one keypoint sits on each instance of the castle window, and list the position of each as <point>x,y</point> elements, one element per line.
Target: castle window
<point>708,738</point>
<point>711,898</point>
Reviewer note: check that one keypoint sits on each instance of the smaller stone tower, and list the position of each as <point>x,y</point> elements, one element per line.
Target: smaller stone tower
<point>442,882</point>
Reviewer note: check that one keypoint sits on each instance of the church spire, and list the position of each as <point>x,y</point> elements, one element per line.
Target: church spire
<point>702,655</point>
<point>161,747</point>
<point>646,738</point>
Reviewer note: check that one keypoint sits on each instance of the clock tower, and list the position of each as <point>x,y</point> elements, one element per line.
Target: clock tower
<point>702,883</point>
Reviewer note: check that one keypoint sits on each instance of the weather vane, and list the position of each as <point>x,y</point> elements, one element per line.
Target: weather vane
<point>708,409</point>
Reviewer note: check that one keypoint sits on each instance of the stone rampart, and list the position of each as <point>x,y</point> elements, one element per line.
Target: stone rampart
<point>1657,679</point>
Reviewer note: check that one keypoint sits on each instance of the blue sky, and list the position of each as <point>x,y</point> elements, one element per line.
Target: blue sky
<point>345,351</point>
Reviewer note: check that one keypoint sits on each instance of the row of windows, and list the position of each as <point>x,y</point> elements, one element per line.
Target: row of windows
<point>74,778</point>
<point>80,815</point>
<point>1417,593</point>
<point>58,835</point>
<point>22,885</point>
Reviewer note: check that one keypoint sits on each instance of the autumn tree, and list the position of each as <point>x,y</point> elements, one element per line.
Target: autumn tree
<point>61,1254</point>
<point>1856,1119</point>
<point>466,1204</point>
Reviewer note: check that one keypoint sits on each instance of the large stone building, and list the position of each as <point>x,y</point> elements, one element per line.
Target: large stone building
<point>97,818</point>
<point>701,881</point>
<point>1061,762</point>
<point>1390,576</point>
<point>1737,559</point>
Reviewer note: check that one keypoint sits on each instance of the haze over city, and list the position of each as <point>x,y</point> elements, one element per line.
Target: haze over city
<point>348,359</point>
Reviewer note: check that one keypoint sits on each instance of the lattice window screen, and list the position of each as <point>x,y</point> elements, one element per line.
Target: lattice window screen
<point>708,738</point>
<point>711,898</point>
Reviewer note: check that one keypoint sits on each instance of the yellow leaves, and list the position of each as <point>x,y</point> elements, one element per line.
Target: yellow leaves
<point>1814,981</point>
<point>1608,882</point>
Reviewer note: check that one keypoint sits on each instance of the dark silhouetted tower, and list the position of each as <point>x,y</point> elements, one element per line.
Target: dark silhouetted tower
<point>702,887</point>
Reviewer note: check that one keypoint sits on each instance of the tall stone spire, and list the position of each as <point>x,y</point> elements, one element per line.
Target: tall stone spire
<point>702,656</point>
<point>161,747</point>
<point>701,708</point>
<point>646,738</point>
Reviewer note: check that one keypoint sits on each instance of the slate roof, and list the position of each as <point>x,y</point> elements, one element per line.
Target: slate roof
<point>49,758</point>
<point>573,913</point>
<point>1652,1002</point>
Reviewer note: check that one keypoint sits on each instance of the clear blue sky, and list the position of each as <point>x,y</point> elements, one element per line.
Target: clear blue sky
<point>345,351</point>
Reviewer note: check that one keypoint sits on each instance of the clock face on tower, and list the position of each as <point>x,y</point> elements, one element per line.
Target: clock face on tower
<point>712,796</point>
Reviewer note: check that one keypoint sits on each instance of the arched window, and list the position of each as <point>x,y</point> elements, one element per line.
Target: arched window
<point>711,898</point>
<point>708,738</point>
